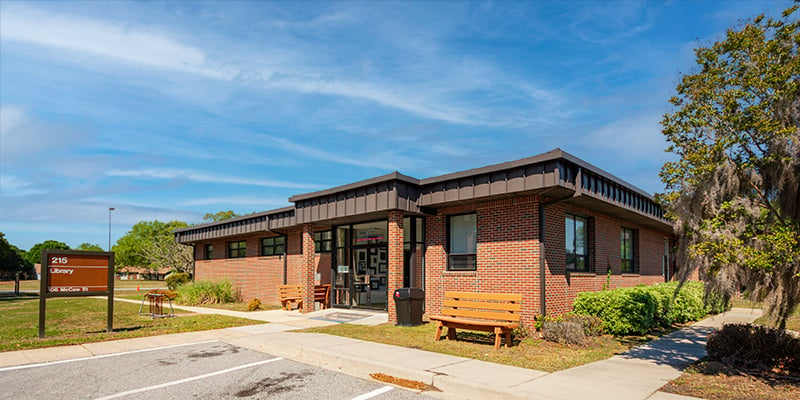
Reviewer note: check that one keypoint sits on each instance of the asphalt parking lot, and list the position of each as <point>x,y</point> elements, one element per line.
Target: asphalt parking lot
<point>210,370</point>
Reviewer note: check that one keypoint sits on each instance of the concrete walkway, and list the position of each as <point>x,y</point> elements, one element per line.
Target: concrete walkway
<point>637,374</point>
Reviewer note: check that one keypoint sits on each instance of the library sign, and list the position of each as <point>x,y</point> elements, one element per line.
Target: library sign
<point>69,273</point>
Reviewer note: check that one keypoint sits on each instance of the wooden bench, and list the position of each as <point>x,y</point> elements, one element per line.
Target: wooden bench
<point>289,294</point>
<point>485,312</point>
<point>322,295</point>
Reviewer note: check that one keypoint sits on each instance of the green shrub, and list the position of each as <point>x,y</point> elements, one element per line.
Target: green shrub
<point>253,305</point>
<point>563,332</point>
<point>755,346</point>
<point>176,279</point>
<point>637,310</point>
<point>206,292</point>
<point>623,311</point>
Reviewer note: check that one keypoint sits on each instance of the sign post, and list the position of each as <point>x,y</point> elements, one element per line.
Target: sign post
<point>67,273</point>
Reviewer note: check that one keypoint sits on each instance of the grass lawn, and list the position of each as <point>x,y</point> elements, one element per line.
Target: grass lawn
<point>530,353</point>
<point>83,320</point>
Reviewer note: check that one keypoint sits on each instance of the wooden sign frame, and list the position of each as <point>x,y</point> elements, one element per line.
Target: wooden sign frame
<point>71,273</point>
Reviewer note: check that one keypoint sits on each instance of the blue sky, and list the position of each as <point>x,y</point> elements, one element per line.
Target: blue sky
<point>171,110</point>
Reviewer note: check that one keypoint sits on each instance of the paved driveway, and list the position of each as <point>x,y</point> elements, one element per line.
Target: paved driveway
<point>210,370</point>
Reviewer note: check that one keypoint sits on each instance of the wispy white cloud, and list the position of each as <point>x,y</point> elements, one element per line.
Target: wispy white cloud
<point>14,186</point>
<point>181,174</point>
<point>435,95</point>
<point>105,38</point>
<point>22,135</point>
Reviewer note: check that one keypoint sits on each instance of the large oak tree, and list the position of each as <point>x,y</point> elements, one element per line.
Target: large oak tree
<point>734,191</point>
<point>151,244</point>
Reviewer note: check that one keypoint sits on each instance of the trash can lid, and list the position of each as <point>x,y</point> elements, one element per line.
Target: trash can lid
<point>414,293</point>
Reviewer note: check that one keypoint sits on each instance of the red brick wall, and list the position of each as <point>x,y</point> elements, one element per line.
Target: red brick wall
<point>252,276</point>
<point>395,249</point>
<point>508,255</point>
<point>256,276</point>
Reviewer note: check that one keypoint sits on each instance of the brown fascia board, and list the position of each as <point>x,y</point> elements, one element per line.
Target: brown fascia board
<point>394,176</point>
<point>235,219</point>
<point>551,155</point>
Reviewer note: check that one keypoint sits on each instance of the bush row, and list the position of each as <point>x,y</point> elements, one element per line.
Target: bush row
<point>639,309</point>
<point>206,292</point>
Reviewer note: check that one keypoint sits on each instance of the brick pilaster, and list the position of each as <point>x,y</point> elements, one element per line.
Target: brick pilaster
<point>395,278</point>
<point>308,269</point>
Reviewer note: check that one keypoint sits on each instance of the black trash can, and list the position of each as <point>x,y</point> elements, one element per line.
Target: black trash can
<point>408,304</point>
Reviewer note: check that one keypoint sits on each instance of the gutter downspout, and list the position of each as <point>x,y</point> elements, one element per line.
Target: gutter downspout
<point>285,260</point>
<point>543,248</point>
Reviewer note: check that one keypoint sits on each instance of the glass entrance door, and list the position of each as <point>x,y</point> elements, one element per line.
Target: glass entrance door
<point>369,280</point>
<point>361,265</point>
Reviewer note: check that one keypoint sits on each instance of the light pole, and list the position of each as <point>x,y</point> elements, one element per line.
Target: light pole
<point>110,209</point>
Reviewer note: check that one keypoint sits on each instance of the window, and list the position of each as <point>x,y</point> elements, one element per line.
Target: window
<point>273,246</point>
<point>462,244</point>
<point>627,240</point>
<point>577,243</point>
<point>237,249</point>
<point>323,242</point>
<point>208,251</point>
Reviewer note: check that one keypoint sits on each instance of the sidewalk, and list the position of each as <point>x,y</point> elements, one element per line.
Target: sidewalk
<point>637,374</point>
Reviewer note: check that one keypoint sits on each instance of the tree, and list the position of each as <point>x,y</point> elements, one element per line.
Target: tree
<point>11,259</point>
<point>222,215</point>
<point>89,247</point>
<point>34,255</point>
<point>734,192</point>
<point>151,244</point>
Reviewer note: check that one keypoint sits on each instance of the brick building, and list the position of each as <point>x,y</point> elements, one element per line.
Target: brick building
<point>484,230</point>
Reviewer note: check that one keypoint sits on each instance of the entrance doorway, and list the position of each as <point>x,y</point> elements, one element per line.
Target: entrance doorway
<point>361,266</point>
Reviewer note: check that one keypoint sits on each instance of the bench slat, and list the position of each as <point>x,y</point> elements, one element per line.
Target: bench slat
<point>498,316</point>
<point>483,305</point>
<point>515,297</point>
<point>450,321</point>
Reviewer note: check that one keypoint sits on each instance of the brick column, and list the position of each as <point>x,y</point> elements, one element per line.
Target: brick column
<point>395,278</point>
<point>307,269</point>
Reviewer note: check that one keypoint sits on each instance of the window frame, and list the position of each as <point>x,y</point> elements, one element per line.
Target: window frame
<point>588,267</point>
<point>208,251</point>
<point>320,241</point>
<point>241,250</point>
<point>470,258</point>
<point>628,265</point>
<point>273,246</point>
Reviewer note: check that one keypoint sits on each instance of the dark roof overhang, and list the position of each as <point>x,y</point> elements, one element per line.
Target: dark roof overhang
<point>268,221</point>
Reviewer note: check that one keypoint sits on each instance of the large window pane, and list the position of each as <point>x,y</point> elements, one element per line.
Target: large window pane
<point>627,250</point>
<point>576,241</point>
<point>462,242</point>
<point>463,234</point>
<point>371,232</point>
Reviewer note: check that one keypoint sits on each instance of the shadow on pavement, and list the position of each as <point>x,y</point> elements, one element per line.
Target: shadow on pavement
<point>678,349</point>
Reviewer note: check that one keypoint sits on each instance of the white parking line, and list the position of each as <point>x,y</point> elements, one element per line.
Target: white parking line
<point>374,393</point>
<point>102,356</point>
<point>180,381</point>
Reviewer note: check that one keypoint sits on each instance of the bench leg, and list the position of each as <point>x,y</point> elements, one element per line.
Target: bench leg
<point>498,335</point>
<point>438,331</point>
<point>451,333</point>
<point>508,337</point>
